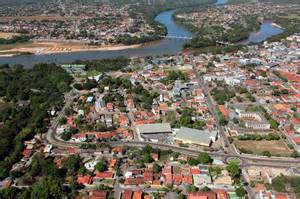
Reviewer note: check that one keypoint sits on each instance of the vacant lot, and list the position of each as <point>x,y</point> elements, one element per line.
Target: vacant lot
<point>7,35</point>
<point>276,147</point>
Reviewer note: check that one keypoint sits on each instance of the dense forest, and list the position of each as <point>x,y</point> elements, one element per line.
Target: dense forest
<point>105,65</point>
<point>27,96</point>
<point>15,39</point>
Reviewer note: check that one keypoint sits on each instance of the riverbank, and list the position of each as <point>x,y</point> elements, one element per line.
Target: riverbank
<point>164,46</point>
<point>48,48</point>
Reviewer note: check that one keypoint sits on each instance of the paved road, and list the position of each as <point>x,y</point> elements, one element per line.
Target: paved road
<point>212,108</point>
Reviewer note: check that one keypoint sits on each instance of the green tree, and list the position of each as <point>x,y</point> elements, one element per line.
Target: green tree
<point>192,188</point>
<point>180,196</point>
<point>204,158</point>
<point>214,171</point>
<point>267,153</point>
<point>206,189</point>
<point>234,170</point>
<point>10,193</point>
<point>156,168</point>
<point>240,191</point>
<point>63,121</point>
<point>278,183</point>
<point>295,154</point>
<point>50,187</point>
<point>72,164</point>
<point>192,161</point>
<point>101,165</point>
<point>147,158</point>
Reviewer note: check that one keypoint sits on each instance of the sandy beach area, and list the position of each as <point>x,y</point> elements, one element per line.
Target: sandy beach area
<point>43,48</point>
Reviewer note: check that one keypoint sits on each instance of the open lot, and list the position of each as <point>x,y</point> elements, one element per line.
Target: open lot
<point>7,35</point>
<point>275,147</point>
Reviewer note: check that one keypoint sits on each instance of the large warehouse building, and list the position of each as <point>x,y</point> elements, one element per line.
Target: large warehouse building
<point>154,132</point>
<point>195,136</point>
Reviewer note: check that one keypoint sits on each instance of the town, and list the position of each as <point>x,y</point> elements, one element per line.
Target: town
<point>182,126</point>
<point>180,99</point>
<point>76,22</point>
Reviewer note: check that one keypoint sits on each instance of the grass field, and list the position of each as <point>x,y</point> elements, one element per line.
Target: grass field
<point>275,147</point>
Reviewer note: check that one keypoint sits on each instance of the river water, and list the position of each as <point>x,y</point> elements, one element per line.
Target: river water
<point>267,30</point>
<point>162,47</point>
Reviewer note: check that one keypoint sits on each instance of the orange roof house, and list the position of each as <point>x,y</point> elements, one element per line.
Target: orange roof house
<point>202,195</point>
<point>195,170</point>
<point>27,153</point>
<point>222,194</point>
<point>85,179</point>
<point>167,170</point>
<point>168,179</point>
<point>148,176</point>
<point>177,179</point>
<point>187,179</point>
<point>137,195</point>
<point>98,194</point>
<point>104,175</point>
<point>123,120</point>
<point>297,140</point>
<point>295,121</point>
<point>134,181</point>
<point>224,111</point>
<point>127,194</point>
<point>110,106</point>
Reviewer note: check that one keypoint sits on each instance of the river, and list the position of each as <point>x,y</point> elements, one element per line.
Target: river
<point>162,47</point>
<point>267,30</point>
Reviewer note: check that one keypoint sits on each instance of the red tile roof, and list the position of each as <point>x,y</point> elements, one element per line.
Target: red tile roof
<point>117,150</point>
<point>280,196</point>
<point>295,121</point>
<point>297,140</point>
<point>99,194</point>
<point>177,179</point>
<point>85,179</point>
<point>123,120</point>
<point>222,194</point>
<point>156,182</point>
<point>202,195</point>
<point>137,195</point>
<point>134,181</point>
<point>27,153</point>
<point>187,179</point>
<point>110,106</point>
<point>105,135</point>
<point>168,179</point>
<point>224,111</point>
<point>167,170</point>
<point>148,176</point>
<point>105,175</point>
<point>195,171</point>
<point>147,196</point>
<point>127,194</point>
<point>291,77</point>
<point>251,83</point>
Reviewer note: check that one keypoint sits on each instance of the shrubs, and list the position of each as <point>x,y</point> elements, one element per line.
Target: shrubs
<point>269,137</point>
